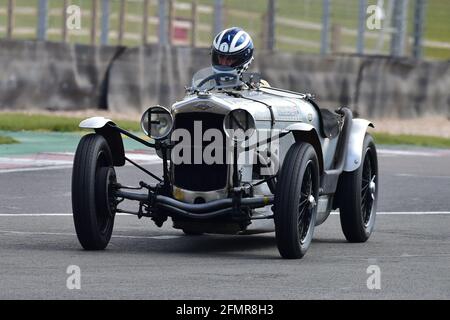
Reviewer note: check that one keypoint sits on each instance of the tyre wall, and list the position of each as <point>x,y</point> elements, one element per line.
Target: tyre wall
<point>53,76</point>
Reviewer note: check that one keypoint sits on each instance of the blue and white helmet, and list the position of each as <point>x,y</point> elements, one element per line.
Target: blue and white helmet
<point>232,49</point>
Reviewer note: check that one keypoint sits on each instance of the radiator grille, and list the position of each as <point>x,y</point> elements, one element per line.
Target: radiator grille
<point>200,177</point>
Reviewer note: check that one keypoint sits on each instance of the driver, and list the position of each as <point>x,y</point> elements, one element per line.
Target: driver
<point>232,52</point>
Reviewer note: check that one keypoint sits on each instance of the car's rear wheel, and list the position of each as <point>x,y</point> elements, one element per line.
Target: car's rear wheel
<point>296,198</point>
<point>358,195</point>
<point>93,201</point>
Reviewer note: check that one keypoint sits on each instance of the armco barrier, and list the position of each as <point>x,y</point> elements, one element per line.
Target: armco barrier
<point>63,76</point>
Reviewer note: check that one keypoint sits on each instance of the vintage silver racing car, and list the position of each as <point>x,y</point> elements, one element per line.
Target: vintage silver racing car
<point>234,153</point>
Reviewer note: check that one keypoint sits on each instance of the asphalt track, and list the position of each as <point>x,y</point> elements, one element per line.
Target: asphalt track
<point>411,246</point>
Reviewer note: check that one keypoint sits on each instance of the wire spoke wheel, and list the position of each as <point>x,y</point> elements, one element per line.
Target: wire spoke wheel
<point>305,210</point>
<point>367,188</point>
<point>295,201</point>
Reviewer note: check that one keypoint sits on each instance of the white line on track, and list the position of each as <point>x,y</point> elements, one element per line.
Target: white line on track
<point>50,214</point>
<point>408,213</point>
<point>28,233</point>
<point>35,169</point>
<point>39,164</point>
<point>64,167</point>
<point>23,215</point>
<point>431,153</point>
<point>154,159</point>
<point>407,175</point>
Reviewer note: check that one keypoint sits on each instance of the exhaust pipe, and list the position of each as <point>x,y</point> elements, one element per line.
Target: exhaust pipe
<point>201,208</point>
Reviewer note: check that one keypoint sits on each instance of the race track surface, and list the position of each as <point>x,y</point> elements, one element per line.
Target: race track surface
<point>410,246</point>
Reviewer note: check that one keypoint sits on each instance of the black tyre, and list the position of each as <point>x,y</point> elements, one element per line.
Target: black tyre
<point>92,195</point>
<point>358,195</point>
<point>295,201</point>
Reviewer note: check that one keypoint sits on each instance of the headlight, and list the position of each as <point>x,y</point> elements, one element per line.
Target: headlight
<point>239,125</point>
<point>157,122</point>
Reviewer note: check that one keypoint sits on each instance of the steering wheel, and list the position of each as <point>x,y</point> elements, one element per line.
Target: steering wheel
<point>216,77</point>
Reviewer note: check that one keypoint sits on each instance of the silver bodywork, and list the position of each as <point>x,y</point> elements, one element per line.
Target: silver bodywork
<point>292,114</point>
<point>94,123</point>
<point>353,158</point>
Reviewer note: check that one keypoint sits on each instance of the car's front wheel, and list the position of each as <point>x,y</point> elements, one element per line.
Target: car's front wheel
<point>296,199</point>
<point>93,177</point>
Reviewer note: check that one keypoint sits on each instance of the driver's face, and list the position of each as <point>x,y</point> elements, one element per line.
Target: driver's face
<point>226,61</point>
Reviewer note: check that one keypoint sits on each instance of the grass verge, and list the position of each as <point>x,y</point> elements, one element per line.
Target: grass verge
<point>36,122</point>
<point>413,140</point>
<point>7,140</point>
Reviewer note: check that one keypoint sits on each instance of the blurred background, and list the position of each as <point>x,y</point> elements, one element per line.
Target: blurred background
<point>416,28</point>
<point>385,59</point>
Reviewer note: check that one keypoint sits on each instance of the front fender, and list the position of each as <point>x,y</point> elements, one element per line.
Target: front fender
<point>355,144</point>
<point>103,127</point>
<point>307,133</point>
<point>301,126</point>
<point>94,123</point>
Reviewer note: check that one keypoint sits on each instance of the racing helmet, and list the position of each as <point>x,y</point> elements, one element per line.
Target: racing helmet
<point>232,49</point>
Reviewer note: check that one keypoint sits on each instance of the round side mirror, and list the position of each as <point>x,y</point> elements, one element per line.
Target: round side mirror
<point>157,122</point>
